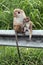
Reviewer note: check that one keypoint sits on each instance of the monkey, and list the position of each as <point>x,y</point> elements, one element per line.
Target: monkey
<point>21,22</point>
<point>18,26</point>
<point>28,26</point>
<point>19,15</point>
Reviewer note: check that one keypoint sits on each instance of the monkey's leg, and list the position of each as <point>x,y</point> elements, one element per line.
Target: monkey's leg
<point>17,45</point>
<point>30,34</point>
<point>30,31</point>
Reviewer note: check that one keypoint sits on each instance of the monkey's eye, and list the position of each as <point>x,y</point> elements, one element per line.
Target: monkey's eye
<point>18,12</point>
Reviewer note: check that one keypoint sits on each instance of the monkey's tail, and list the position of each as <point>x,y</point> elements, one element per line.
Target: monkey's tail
<point>17,45</point>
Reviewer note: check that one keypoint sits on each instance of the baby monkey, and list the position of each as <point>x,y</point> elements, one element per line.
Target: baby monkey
<point>28,26</point>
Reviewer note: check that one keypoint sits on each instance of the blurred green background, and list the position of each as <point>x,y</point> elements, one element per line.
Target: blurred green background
<point>32,8</point>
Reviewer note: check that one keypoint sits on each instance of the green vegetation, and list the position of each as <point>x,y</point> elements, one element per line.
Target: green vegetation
<point>32,8</point>
<point>8,56</point>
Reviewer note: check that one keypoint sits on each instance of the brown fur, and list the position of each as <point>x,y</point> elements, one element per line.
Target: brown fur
<point>21,21</point>
<point>29,27</point>
<point>18,28</point>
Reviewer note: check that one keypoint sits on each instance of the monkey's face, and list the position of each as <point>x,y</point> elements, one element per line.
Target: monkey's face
<point>19,13</point>
<point>27,19</point>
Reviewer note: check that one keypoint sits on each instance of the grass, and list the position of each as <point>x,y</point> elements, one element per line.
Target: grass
<point>9,56</point>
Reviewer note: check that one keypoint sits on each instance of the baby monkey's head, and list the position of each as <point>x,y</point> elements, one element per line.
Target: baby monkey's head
<point>27,19</point>
<point>19,13</point>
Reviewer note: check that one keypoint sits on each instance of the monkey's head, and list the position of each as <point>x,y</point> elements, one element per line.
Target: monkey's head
<point>19,13</point>
<point>27,19</point>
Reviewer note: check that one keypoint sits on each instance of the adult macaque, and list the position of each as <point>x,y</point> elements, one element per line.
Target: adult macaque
<point>19,16</point>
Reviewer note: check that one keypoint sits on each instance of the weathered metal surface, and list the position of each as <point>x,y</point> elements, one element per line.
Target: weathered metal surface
<point>12,32</point>
<point>7,38</point>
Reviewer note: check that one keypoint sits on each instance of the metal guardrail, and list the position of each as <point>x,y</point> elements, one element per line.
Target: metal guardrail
<point>7,38</point>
